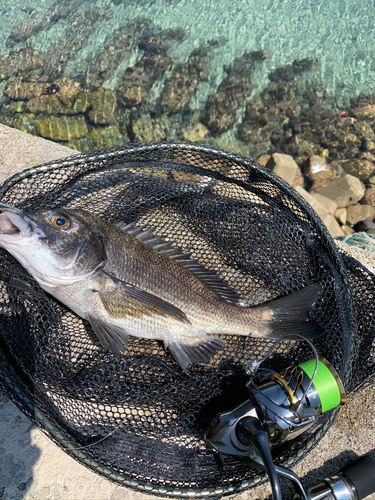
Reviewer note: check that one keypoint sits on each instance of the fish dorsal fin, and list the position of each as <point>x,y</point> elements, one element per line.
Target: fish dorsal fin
<point>209,277</point>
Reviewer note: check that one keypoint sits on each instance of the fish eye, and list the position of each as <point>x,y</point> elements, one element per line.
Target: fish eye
<point>60,221</point>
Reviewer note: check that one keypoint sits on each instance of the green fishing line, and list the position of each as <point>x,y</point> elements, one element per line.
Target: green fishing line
<point>326,382</point>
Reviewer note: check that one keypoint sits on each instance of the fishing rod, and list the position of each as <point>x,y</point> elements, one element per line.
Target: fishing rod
<point>279,408</point>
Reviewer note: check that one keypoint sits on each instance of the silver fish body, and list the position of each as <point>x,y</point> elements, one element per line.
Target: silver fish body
<point>126,281</point>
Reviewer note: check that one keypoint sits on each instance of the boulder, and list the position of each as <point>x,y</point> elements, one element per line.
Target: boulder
<point>341,215</point>
<point>359,212</point>
<point>345,191</point>
<point>284,166</point>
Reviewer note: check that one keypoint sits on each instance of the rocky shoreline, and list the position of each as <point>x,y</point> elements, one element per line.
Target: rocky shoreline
<point>342,201</point>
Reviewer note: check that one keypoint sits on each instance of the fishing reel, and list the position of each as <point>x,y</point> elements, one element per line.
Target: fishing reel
<point>280,407</point>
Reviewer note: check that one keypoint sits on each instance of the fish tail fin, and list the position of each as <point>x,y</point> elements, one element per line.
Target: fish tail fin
<point>289,315</point>
<point>202,350</point>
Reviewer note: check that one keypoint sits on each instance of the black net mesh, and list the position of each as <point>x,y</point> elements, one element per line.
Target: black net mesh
<point>138,419</point>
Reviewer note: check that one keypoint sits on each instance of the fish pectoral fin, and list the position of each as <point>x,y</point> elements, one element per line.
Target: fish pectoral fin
<point>122,299</point>
<point>115,339</point>
<point>202,350</point>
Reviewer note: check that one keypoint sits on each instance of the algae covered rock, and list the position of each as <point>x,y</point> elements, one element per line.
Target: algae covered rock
<point>138,80</point>
<point>179,89</point>
<point>233,90</point>
<point>19,62</point>
<point>147,129</point>
<point>61,128</point>
<point>116,50</point>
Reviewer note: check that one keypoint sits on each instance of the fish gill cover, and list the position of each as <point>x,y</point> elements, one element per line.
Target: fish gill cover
<point>138,418</point>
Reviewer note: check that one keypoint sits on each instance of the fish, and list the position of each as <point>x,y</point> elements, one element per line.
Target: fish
<point>127,281</point>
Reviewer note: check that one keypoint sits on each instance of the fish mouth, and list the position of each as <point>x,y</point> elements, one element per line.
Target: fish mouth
<point>13,224</point>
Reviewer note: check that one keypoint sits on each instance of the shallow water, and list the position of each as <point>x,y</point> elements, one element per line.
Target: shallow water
<point>77,39</point>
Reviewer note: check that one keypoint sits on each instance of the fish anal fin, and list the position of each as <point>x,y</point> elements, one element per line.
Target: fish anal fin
<point>113,338</point>
<point>202,350</point>
<point>166,248</point>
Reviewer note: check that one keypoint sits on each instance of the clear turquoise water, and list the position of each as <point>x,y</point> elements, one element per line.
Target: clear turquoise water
<point>338,36</point>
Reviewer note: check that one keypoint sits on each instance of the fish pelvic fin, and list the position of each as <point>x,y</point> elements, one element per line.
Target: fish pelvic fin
<point>111,337</point>
<point>289,315</point>
<point>202,350</point>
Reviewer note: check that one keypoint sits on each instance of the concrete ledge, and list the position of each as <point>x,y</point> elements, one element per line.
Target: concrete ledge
<point>32,467</point>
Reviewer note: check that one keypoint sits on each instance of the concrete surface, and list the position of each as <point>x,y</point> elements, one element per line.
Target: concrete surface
<point>32,467</point>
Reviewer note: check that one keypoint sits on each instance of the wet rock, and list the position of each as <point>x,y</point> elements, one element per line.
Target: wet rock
<point>345,191</point>
<point>231,93</point>
<point>147,129</point>
<point>61,128</point>
<point>195,133</point>
<point>19,90</point>
<point>341,215</point>
<point>362,168</point>
<point>364,225</point>
<point>179,89</point>
<point>317,171</point>
<point>49,104</point>
<point>119,48</point>
<point>359,212</point>
<point>43,19</point>
<point>138,80</point>
<point>74,39</point>
<point>105,137</point>
<point>99,105</point>
<point>20,62</point>
<point>284,166</point>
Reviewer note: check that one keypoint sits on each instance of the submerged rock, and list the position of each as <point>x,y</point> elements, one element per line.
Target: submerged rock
<point>21,61</point>
<point>43,19</point>
<point>138,80</point>
<point>81,27</point>
<point>179,89</point>
<point>119,48</point>
<point>61,128</point>
<point>98,105</point>
<point>233,90</point>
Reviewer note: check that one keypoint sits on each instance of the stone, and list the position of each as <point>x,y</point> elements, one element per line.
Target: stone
<point>347,229</point>
<point>196,133</point>
<point>341,215</point>
<point>20,62</point>
<point>346,190</point>
<point>231,93</point>
<point>311,200</point>
<point>332,225</point>
<point>179,89</point>
<point>364,225</point>
<point>116,50</point>
<point>263,159</point>
<point>329,205</point>
<point>363,168</point>
<point>138,79</point>
<point>61,128</point>
<point>284,166</point>
<point>101,106</point>
<point>359,212</point>
<point>317,171</point>
<point>147,129</point>
<point>369,197</point>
